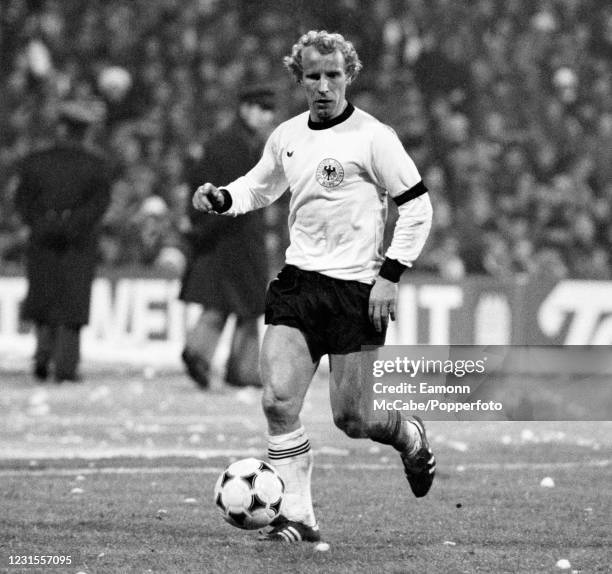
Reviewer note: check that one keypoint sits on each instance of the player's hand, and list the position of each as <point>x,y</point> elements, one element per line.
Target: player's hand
<point>383,301</point>
<point>208,198</point>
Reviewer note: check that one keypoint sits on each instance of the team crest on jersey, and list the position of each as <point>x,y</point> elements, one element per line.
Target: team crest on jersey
<point>330,173</point>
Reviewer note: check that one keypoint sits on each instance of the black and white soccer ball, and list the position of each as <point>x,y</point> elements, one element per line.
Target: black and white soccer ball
<point>249,493</point>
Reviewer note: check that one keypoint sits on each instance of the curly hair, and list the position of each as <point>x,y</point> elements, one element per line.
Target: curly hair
<point>325,43</point>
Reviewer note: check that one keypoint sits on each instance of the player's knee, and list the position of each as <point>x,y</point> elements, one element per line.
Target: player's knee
<point>351,424</point>
<point>277,408</point>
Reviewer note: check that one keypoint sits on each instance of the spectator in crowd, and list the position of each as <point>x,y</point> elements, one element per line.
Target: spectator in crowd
<point>150,235</point>
<point>228,269</point>
<point>62,194</point>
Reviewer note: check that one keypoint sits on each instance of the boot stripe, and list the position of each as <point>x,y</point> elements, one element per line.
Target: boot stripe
<point>295,533</point>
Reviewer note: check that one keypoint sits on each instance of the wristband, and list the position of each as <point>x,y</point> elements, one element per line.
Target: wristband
<point>392,270</point>
<point>227,202</point>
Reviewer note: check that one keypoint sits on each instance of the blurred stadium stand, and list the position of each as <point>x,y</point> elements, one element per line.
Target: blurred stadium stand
<point>505,105</point>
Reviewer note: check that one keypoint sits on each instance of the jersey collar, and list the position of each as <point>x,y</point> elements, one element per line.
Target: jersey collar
<point>345,115</point>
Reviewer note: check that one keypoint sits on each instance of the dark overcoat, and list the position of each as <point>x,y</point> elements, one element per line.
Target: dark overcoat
<point>228,266</point>
<point>62,195</point>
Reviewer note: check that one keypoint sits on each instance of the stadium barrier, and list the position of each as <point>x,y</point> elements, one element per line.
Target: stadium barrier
<point>137,319</point>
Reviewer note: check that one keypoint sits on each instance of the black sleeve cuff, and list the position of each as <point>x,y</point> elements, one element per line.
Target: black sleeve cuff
<point>392,270</point>
<point>227,202</point>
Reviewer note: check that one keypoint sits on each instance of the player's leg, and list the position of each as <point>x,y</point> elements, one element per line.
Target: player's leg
<point>200,344</point>
<point>287,369</point>
<point>352,407</point>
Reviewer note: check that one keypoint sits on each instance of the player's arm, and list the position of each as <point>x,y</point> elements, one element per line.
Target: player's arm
<point>409,236</point>
<point>259,187</point>
<point>396,172</point>
<point>410,233</point>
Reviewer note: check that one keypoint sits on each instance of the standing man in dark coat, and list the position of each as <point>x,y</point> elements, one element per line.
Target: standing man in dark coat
<point>63,193</point>
<point>228,268</point>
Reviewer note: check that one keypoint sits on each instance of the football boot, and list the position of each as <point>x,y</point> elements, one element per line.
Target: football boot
<point>420,467</point>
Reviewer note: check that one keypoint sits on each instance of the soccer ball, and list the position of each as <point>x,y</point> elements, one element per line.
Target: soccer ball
<point>249,493</point>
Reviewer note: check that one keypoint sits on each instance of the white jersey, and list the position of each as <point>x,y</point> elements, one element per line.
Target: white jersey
<point>339,174</point>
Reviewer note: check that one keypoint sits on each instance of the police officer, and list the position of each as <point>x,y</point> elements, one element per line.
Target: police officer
<point>63,192</point>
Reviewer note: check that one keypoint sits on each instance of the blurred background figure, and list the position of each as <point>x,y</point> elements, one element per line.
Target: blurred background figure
<point>227,270</point>
<point>62,194</point>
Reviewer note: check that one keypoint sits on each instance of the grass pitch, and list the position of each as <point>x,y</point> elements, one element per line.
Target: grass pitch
<point>119,473</point>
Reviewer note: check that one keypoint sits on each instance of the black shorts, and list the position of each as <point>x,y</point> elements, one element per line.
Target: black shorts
<point>331,313</point>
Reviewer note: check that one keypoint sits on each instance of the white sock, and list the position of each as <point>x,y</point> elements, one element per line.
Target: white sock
<point>290,454</point>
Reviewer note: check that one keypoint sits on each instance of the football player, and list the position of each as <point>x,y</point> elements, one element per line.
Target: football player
<point>338,289</point>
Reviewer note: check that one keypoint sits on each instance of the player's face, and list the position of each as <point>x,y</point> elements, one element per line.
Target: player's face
<point>324,79</point>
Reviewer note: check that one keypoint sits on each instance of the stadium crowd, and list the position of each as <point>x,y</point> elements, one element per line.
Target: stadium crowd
<point>505,106</point>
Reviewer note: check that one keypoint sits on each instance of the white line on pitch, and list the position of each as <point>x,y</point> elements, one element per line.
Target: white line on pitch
<point>175,469</point>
